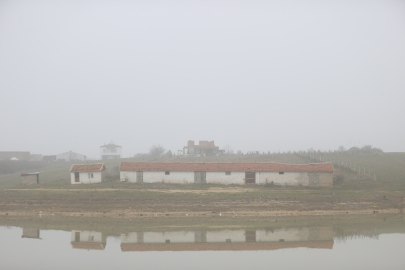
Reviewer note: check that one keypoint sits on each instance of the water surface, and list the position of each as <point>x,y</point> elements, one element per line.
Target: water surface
<point>268,246</point>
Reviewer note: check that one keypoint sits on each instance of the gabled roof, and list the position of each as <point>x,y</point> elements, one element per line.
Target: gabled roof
<point>70,152</point>
<point>110,145</point>
<point>225,246</point>
<point>87,167</point>
<point>225,166</point>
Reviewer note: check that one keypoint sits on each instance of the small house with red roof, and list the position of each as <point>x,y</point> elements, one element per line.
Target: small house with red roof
<point>317,174</point>
<point>87,173</point>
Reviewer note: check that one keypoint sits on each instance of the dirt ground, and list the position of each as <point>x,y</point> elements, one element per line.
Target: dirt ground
<point>214,201</point>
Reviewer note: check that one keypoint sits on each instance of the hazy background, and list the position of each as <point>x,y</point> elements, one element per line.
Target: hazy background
<point>258,75</point>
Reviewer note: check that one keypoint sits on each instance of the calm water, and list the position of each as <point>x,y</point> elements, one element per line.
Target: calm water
<point>288,247</point>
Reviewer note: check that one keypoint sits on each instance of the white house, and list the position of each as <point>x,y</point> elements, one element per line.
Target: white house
<point>87,173</point>
<point>110,151</point>
<point>319,174</point>
<point>70,156</point>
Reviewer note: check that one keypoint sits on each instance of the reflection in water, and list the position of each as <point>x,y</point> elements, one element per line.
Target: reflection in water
<point>261,239</point>
<point>88,240</point>
<point>364,242</point>
<point>30,233</point>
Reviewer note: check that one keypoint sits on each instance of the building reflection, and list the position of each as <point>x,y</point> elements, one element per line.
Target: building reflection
<point>89,240</point>
<point>29,232</point>
<point>262,239</point>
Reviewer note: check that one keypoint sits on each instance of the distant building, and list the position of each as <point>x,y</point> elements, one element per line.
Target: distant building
<point>15,155</point>
<point>205,148</point>
<point>313,175</point>
<point>110,151</point>
<point>49,158</point>
<point>30,178</point>
<point>70,156</point>
<point>87,173</point>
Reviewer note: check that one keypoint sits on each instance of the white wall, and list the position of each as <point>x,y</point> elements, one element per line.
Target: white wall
<point>158,177</point>
<point>88,236</point>
<point>109,151</point>
<point>84,178</point>
<point>128,176</point>
<point>174,177</point>
<point>288,178</point>
<point>222,178</point>
<point>236,236</point>
<point>222,236</point>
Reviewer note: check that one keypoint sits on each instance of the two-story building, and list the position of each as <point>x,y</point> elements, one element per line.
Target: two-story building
<point>204,148</point>
<point>110,151</point>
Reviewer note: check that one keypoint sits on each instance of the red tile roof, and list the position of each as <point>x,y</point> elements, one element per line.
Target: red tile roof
<point>88,245</point>
<point>225,167</point>
<point>87,168</point>
<point>225,246</point>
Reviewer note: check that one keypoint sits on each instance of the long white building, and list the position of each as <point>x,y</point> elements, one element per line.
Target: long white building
<point>319,174</point>
<point>237,239</point>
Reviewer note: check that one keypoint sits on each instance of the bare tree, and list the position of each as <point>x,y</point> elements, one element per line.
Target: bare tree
<point>341,149</point>
<point>156,151</point>
<point>228,149</point>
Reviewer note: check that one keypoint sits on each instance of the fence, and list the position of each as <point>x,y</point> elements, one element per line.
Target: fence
<point>360,172</point>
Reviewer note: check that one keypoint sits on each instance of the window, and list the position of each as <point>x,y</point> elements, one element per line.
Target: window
<point>91,175</point>
<point>167,173</point>
<point>280,172</point>
<point>227,173</point>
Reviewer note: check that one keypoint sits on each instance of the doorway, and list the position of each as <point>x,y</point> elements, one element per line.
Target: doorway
<point>200,177</point>
<point>250,177</point>
<point>77,177</point>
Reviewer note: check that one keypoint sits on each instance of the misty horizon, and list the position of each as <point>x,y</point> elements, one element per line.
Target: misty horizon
<point>257,76</point>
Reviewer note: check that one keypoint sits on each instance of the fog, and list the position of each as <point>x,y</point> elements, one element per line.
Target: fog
<point>256,75</point>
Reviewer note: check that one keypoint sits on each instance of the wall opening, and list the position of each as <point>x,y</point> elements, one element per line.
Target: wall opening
<point>250,177</point>
<point>200,177</point>
<point>139,177</point>
<point>167,173</point>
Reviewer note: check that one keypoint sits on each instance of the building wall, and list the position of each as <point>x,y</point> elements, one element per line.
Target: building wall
<point>88,236</point>
<point>104,157</point>
<point>236,236</point>
<point>222,178</point>
<point>109,154</point>
<point>84,178</point>
<point>158,177</point>
<point>288,178</point>
<point>325,179</point>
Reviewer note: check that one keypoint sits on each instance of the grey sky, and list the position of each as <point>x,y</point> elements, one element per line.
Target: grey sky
<point>258,75</point>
